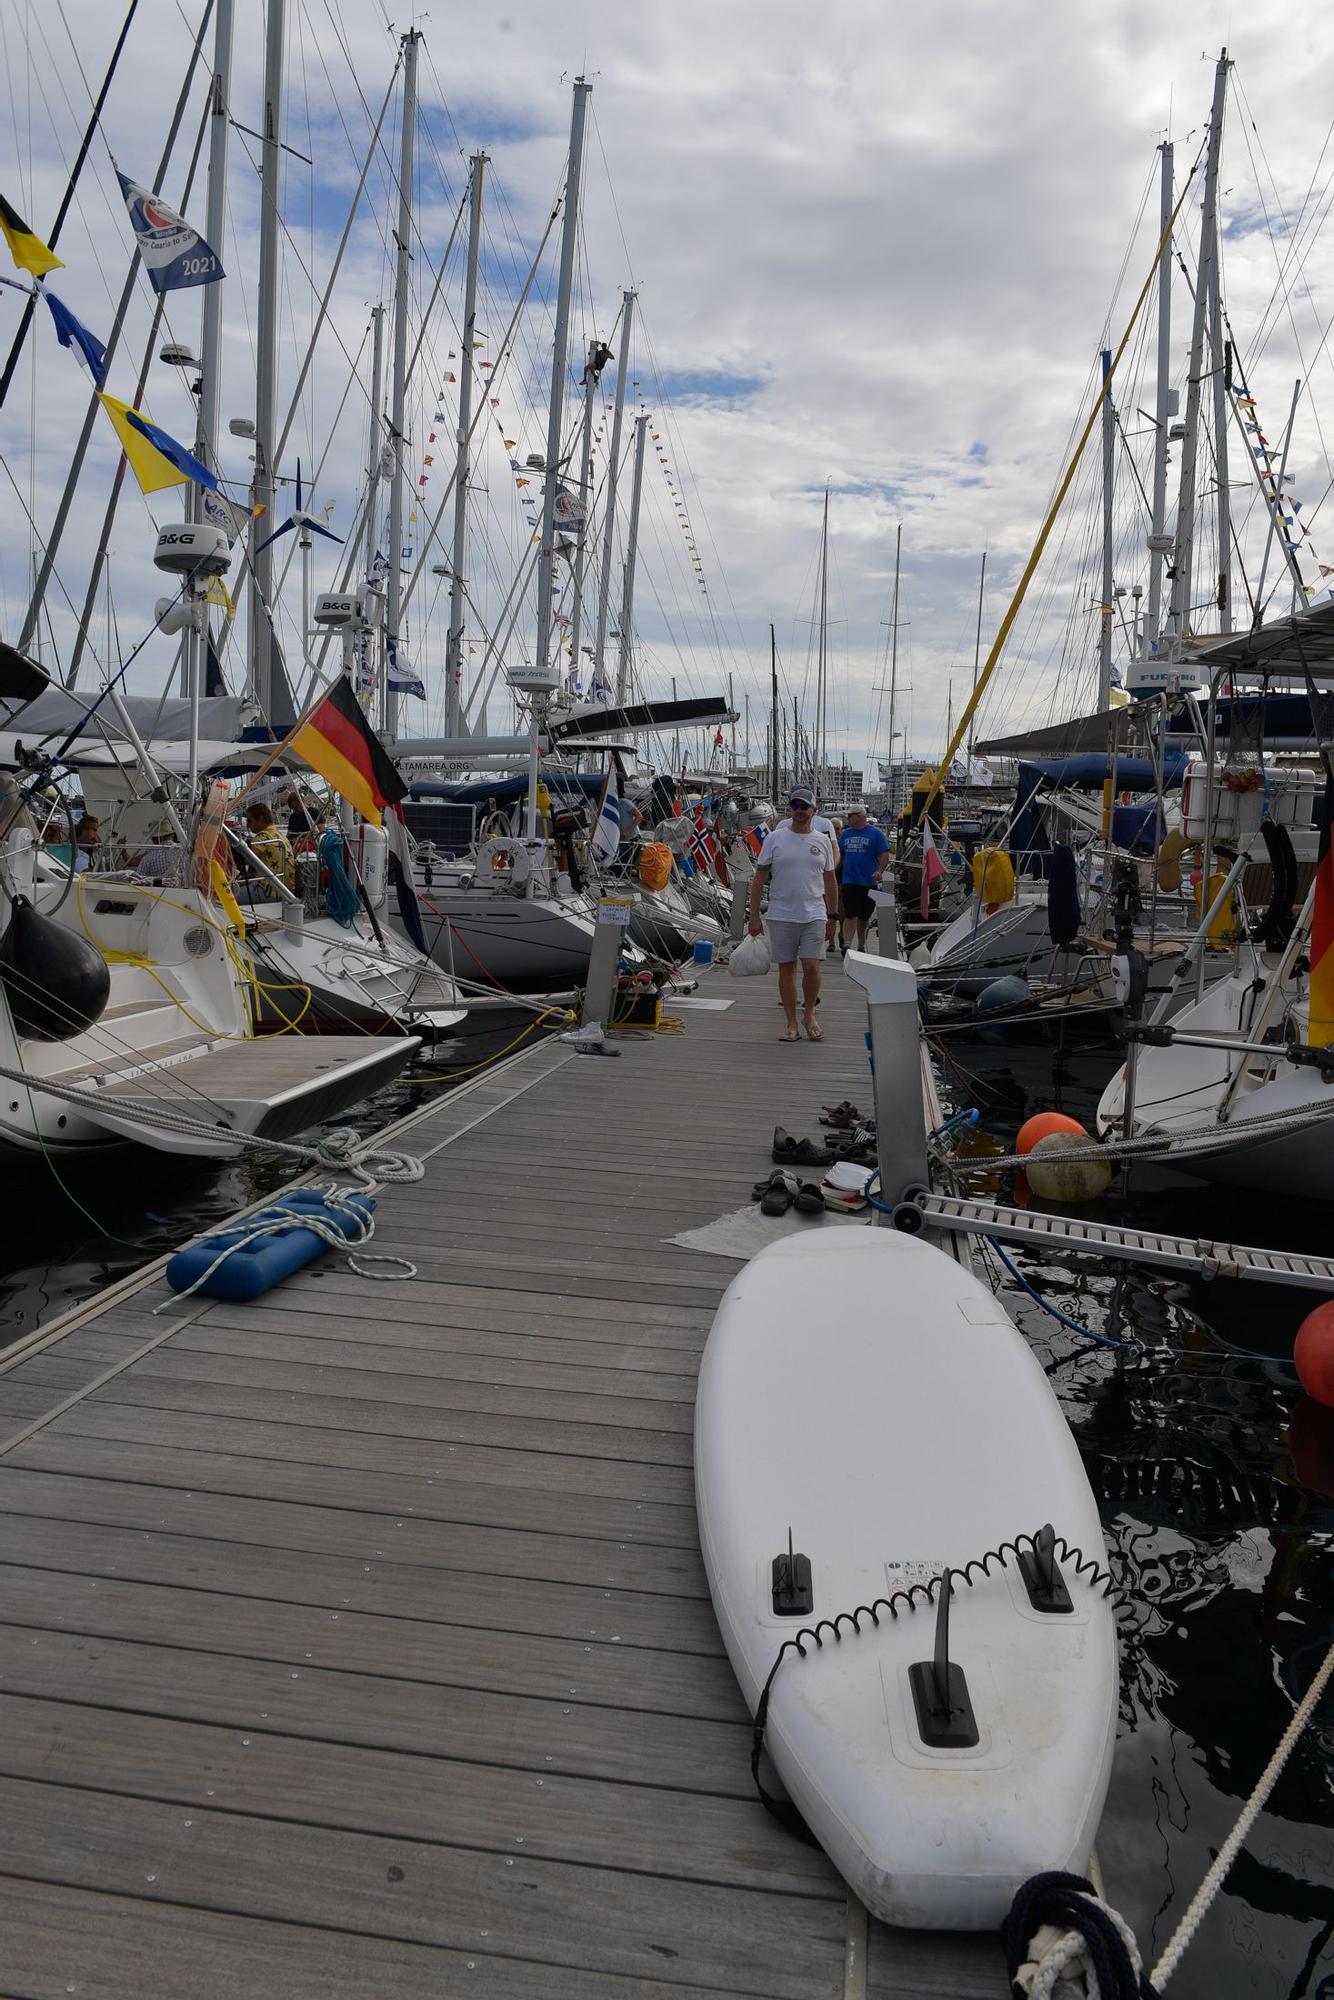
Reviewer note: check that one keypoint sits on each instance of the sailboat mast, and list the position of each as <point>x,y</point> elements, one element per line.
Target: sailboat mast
<point>1108,489</point>
<point>546,554</point>
<point>457,596</point>
<point>210,345</point>
<point>821,713</point>
<point>1158,537</point>
<point>262,643</point>
<point>1222,386</point>
<point>399,378</point>
<point>774,745</point>
<point>609,491</point>
<point>586,497</point>
<point>1179,615</point>
<point>631,547</point>
<point>894,656</point>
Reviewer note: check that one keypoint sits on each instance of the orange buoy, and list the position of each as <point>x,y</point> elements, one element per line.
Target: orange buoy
<point>1041,1125</point>
<point>1314,1354</point>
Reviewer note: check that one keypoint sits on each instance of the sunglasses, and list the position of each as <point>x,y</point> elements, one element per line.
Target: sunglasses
<point>800,806</point>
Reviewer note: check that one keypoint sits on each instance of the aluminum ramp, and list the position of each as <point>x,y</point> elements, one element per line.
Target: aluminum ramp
<point>1136,1246</point>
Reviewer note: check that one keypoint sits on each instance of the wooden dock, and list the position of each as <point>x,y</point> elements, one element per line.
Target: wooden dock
<point>356,1641</point>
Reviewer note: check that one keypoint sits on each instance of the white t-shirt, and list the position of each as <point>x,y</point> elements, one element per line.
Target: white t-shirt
<point>797,863</point>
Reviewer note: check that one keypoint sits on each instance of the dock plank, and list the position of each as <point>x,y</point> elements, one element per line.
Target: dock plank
<point>357,1640</point>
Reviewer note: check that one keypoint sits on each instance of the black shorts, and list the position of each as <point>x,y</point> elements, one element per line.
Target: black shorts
<point>855,901</point>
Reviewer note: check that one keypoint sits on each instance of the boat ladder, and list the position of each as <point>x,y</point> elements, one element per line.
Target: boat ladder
<point>1136,1246</point>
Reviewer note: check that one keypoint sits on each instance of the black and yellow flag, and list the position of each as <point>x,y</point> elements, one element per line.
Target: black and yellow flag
<point>28,251</point>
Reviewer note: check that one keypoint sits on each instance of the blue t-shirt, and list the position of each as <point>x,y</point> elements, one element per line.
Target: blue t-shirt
<point>862,848</point>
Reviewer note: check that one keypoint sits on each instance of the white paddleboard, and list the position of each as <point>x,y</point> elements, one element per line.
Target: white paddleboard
<point>863,1390</point>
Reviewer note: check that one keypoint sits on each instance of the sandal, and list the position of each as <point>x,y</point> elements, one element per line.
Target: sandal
<point>777,1197</point>
<point>809,1199</point>
<point>841,1116</point>
<point>814,1032</point>
<point>796,1152</point>
<point>789,1035</point>
<point>775,1179</point>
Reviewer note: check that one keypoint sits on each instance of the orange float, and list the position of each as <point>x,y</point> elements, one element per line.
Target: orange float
<point>1314,1354</point>
<point>1042,1125</point>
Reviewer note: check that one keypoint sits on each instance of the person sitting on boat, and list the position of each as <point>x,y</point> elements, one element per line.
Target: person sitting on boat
<point>164,860</point>
<point>268,843</point>
<point>87,839</point>
<point>796,864</point>
<point>865,858</point>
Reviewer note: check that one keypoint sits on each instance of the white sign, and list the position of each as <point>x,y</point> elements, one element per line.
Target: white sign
<point>617,911</point>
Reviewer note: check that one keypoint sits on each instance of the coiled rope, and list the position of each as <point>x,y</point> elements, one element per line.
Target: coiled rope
<point>353,1236</point>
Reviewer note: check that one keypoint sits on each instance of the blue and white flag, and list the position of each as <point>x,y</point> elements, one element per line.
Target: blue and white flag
<point>399,675</point>
<point>607,833</point>
<point>174,255</point>
<point>72,333</point>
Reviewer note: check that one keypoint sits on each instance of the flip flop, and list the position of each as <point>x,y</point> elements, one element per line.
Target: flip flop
<point>775,1179</point>
<point>809,1199</point>
<point>776,1200</point>
<point>789,1035</point>
<point>814,1032</point>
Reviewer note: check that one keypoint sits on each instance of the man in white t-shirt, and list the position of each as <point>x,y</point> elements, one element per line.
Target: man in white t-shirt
<point>796,864</point>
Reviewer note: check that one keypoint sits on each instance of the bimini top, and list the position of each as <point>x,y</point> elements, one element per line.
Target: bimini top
<point>1089,771</point>
<point>506,791</point>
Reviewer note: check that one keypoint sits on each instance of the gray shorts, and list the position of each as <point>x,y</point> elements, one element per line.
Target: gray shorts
<point>789,941</point>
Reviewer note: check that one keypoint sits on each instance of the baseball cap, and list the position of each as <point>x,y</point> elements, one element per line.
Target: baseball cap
<point>858,807</point>
<point>801,795</point>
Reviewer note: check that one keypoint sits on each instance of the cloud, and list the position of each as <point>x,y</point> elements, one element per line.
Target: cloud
<point>881,258</point>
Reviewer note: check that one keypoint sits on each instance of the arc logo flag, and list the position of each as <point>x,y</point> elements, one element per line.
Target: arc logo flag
<point>1320,1001</point>
<point>174,254</point>
<point>607,832</point>
<point>337,741</point>
<point>25,247</point>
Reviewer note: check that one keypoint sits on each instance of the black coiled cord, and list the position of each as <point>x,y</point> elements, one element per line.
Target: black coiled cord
<point>1069,1903</point>
<point>1091,1573</point>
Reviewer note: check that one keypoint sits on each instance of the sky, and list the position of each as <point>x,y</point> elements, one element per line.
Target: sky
<point>878,255</point>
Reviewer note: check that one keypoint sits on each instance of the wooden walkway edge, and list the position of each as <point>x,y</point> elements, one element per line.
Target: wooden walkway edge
<point>357,1640</point>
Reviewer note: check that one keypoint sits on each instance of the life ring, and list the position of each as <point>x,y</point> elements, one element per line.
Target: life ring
<point>505,860</point>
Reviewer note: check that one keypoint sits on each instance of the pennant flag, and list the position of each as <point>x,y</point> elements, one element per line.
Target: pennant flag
<point>932,867</point>
<point>176,454</point>
<point>400,874</point>
<point>72,333</point>
<point>400,676</point>
<point>607,830</point>
<point>213,681</point>
<point>218,593</point>
<point>338,742</point>
<point>510,443</point>
<point>175,256</point>
<point>151,466</point>
<point>28,250</point>
<point>224,514</point>
<point>1320,995</point>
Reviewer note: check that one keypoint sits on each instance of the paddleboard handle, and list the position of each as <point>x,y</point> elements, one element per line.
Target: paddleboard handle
<point>1042,1573</point>
<point>793,1593</point>
<point>945,1719</point>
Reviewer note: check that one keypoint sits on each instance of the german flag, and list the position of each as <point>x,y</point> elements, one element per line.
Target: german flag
<point>339,743</point>
<point>1320,1032</point>
<point>28,251</point>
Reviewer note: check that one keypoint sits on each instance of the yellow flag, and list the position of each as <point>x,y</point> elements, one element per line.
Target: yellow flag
<point>218,593</point>
<point>28,251</point>
<point>147,463</point>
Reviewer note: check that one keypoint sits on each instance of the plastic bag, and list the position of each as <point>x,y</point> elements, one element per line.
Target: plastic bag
<point>750,958</point>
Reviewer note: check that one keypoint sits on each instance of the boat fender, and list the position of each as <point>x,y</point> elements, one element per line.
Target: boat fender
<point>246,1265</point>
<point>56,982</point>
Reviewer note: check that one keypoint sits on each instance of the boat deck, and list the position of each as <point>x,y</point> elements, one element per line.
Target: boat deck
<point>357,1640</point>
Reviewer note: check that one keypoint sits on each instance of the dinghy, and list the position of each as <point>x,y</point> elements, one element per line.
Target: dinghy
<point>868,1418</point>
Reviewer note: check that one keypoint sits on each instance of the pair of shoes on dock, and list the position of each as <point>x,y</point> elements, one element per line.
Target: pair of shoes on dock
<point>783,1191</point>
<point>842,1116</point>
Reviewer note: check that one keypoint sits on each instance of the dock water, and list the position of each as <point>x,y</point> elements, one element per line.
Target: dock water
<point>357,1639</point>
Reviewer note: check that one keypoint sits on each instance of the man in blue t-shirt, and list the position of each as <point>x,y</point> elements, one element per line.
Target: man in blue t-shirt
<point>865,858</point>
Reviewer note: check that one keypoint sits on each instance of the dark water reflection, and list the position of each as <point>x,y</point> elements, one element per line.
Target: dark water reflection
<point>1215,1479</point>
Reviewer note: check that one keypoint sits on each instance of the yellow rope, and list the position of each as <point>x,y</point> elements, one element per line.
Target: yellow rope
<point>451,1075</point>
